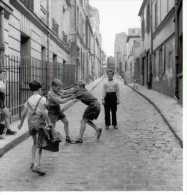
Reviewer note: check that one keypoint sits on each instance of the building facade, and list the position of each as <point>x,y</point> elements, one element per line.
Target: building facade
<point>146,34</point>
<point>133,42</point>
<point>164,70</point>
<point>43,40</point>
<point>85,39</point>
<point>32,29</point>
<point>161,57</point>
<point>110,63</point>
<point>179,48</point>
<point>95,23</point>
<point>120,52</point>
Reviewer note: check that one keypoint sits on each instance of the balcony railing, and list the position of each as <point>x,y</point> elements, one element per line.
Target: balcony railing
<point>55,27</point>
<point>29,4</point>
<point>64,37</point>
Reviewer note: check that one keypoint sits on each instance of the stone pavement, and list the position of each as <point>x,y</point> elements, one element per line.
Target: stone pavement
<point>142,155</point>
<point>11,141</point>
<point>169,107</point>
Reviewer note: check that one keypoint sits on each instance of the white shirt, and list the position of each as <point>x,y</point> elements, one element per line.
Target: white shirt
<point>33,100</point>
<point>2,86</point>
<point>110,86</point>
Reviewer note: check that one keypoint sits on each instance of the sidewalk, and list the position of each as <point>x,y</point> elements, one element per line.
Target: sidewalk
<point>168,107</point>
<point>11,141</point>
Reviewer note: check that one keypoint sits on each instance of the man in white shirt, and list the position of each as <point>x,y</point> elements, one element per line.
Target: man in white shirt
<point>110,99</point>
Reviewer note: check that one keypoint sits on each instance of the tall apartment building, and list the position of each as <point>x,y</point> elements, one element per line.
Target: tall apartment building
<point>162,43</point>
<point>95,23</point>
<point>120,52</point>
<point>111,63</point>
<point>34,30</point>
<point>34,44</point>
<point>44,39</point>
<point>146,32</point>
<point>86,44</point>
<point>164,70</point>
<point>133,42</point>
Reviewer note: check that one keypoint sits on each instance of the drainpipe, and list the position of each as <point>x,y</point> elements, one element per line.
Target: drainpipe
<point>48,30</point>
<point>151,58</point>
<point>2,45</point>
<point>76,57</point>
<point>48,76</point>
<point>176,49</point>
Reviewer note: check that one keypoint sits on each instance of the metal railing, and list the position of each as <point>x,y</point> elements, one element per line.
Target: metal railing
<point>19,72</point>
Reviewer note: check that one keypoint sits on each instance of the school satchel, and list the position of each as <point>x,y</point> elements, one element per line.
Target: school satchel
<point>2,127</point>
<point>52,142</point>
<point>35,121</point>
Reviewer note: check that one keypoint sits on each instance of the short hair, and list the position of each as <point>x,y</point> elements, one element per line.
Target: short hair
<point>57,83</point>
<point>110,70</point>
<point>34,85</point>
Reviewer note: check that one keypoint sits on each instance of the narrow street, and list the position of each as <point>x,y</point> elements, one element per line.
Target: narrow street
<point>141,155</point>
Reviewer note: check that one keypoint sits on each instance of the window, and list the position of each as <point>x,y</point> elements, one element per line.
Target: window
<point>143,28</point>
<point>64,37</point>
<point>156,15</point>
<point>154,64</point>
<point>162,60</point>
<point>55,26</point>
<point>148,18</point>
<point>125,66</point>
<point>81,2</point>
<point>28,4</point>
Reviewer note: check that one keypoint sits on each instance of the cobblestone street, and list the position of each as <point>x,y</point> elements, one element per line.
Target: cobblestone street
<point>142,154</point>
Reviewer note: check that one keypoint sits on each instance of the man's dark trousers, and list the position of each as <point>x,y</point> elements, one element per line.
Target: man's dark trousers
<point>110,106</point>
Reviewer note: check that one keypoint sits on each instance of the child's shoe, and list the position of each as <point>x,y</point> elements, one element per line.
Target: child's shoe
<point>68,140</point>
<point>79,141</point>
<point>107,127</point>
<point>38,171</point>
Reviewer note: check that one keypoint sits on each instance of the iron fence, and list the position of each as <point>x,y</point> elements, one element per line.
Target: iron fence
<point>19,72</point>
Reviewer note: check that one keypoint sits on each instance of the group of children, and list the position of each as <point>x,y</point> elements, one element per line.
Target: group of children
<point>50,111</point>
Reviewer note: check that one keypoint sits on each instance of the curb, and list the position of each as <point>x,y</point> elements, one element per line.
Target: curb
<point>26,135</point>
<point>162,115</point>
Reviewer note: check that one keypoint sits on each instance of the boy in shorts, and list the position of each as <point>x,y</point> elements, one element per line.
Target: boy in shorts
<point>5,114</point>
<point>55,113</point>
<point>36,103</point>
<point>92,111</point>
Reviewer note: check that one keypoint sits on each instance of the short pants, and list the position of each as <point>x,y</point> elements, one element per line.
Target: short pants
<point>55,113</point>
<point>2,100</point>
<point>92,111</point>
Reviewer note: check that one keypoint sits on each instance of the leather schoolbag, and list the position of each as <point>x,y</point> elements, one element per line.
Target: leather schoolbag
<point>35,120</point>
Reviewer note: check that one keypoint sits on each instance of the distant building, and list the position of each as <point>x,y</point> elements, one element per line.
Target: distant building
<point>120,52</point>
<point>133,42</point>
<point>111,63</point>
<point>95,23</point>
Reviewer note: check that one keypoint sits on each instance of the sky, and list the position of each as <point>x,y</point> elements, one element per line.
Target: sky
<point>116,16</point>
